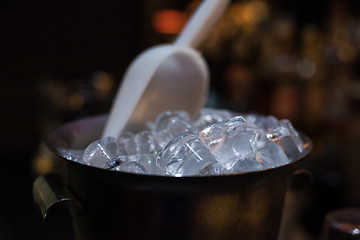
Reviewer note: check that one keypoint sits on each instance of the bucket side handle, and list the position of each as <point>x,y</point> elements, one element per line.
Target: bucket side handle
<point>300,178</point>
<point>50,190</point>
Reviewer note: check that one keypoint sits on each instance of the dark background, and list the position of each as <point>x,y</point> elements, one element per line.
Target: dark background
<point>62,60</point>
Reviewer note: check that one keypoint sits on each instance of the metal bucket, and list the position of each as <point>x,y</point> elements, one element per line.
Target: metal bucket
<point>116,205</point>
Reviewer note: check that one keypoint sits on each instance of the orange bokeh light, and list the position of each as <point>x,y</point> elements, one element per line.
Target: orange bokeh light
<point>168,21</point>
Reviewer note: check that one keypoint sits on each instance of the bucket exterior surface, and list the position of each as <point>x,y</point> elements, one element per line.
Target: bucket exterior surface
<point>118,205</point>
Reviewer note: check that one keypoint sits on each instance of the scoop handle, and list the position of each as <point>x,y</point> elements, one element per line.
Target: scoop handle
<point>201,22</point>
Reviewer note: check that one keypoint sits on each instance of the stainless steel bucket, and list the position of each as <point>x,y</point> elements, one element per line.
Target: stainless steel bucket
<point>115,205</point>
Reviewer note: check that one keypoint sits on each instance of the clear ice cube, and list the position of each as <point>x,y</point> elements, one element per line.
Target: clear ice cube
<point>228,141</point>
<point>247,165</point>
<point>215,169</point>
<point>142,143</point>
<point>113,163</point>
<point>270,156</point>
<point>101,151</point>
<point>72,154</point>
<point>161,120</point>
<point>185,155</point>
<point>257,137</point>
<point>284,134</point>
<point>125,137</point>
<point>260,121</point>
<point>131,167</point>
<point>208,116</point>
<point>168,125</point>
<point>148,162</point>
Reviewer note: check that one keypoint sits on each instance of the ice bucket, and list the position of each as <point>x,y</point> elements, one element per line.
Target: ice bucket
<point>115,205</point>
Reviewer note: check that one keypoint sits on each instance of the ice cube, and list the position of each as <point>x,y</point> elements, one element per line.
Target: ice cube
<point>208,116</point>
<point>148,162</point>
<point>223,127</point>
<point>185,155</point>
<point>215,169</point>
<point>101,151</point>
<point>161,120</point>
<point>241,145</point>
<point>142,143</point>
<point>113,163</point>
<point>284,134</point>
<point>131,167</point>
<point>228,141</point>
<point>168,125</point>
<point>248,165</point>
<point>269,156</point>
<point>260,121</point>
<point>258,138</point>
<point>272,155</point>
<point>125,137</point>
<point>72,154</point>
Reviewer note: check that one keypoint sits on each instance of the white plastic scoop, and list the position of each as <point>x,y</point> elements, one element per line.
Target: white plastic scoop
<point>166,77</point>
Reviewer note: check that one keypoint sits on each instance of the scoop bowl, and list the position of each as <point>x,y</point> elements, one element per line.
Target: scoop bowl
<point>175,79</point>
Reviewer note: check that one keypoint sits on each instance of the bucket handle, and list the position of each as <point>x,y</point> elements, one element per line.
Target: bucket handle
<point>300,178</point>
<point>50,190</point>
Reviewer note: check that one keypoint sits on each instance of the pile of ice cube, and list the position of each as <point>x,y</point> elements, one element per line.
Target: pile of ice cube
<point>217,142</point>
